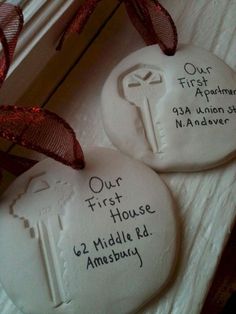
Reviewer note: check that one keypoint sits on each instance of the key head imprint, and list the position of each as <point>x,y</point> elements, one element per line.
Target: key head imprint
<point>49,197</point>
<point>141,82</point>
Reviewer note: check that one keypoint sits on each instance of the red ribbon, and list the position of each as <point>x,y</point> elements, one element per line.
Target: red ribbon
<point>154,24</point>
<point>11,23</point>
<point>149,17</point>
<point>34,128</point>
<point>42,131</point>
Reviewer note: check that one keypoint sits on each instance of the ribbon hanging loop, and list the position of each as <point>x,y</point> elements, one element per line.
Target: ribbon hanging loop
<point>42,131</point>
<point>149,17</point>
<point>11,24</point>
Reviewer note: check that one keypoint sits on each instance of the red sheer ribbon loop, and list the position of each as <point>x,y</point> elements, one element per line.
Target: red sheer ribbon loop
<point>153,23</point>
<point>42,131</point>
<point>11,23</point>
<point>151,20</point>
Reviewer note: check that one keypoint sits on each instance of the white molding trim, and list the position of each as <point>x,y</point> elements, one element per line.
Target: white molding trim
<point>39,19</point>
<point>44,22</point>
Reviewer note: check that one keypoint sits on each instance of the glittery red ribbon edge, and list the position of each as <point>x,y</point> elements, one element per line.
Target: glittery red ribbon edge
<point>9,35</point>
<point>19,125</point>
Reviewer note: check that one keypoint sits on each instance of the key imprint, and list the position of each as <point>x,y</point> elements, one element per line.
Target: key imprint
<point>45,224</point>
<point>141,87</point>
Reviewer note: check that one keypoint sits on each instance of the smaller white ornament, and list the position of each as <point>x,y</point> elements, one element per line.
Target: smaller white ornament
<point>98,240</point>
<point>174,113</point>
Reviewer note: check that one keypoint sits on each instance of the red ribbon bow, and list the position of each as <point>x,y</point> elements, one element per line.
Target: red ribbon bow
<point>149,17</point>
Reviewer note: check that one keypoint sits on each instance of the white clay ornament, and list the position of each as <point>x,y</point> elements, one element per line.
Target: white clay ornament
<point>99,240</point>
<point>174,113</point>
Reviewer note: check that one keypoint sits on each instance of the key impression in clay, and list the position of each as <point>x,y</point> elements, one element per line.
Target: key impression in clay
<point>174,113</point>
<point>99,240</point>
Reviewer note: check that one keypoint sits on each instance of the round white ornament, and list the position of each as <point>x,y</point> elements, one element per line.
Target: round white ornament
<point>99,240</point>
<point>174,113</point>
